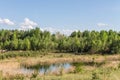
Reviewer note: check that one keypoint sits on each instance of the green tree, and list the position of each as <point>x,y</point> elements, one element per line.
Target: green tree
<point>27,44</point>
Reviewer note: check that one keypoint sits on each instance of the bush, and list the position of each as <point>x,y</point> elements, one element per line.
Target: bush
<point>95,76</point>
<point>35,74</point>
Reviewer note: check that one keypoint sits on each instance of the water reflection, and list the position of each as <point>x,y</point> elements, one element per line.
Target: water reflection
<point>56,68</point>
<point>43,69</point>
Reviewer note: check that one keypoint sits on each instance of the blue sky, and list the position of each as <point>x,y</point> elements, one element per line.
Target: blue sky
<point>63,15</point>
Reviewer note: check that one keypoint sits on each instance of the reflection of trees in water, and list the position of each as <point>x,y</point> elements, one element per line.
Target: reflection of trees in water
<point>44,69</point>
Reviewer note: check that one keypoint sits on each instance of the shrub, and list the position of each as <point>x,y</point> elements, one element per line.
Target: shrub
<point>95,76</point>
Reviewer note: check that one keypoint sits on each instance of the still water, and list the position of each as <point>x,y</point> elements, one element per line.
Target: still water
<point>42,69</point>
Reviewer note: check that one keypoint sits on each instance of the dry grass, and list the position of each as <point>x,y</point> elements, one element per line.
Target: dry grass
<point>12,66</point>
<point>54,58</point>
<point>9,67</point>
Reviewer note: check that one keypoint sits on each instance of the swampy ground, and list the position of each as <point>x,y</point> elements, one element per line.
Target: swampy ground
<point>85,67</point>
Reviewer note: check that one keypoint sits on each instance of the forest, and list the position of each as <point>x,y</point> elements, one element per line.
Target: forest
<point>41,55</point>
<point>90,42</point>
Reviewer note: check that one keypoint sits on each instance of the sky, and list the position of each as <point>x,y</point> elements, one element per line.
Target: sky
<point>60,15</point>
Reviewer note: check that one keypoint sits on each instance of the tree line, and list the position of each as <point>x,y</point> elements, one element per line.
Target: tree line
<point>78,42</point>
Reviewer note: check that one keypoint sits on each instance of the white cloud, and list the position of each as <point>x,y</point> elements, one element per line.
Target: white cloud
<point>67,31</point>
<point>6,22</point>
<point>102,25</point>
<point>27,24</point>
<point>54,30</point>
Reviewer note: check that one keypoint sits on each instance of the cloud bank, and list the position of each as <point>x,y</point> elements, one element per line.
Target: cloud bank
<point>28,24</point>
<point>54,30</point>
<point>102,25</point>
<point>6,22</point>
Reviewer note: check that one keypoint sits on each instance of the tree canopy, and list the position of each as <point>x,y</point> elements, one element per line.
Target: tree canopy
<point>78,42</point>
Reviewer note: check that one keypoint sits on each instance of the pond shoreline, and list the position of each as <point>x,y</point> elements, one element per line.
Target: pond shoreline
<point>70,59</point>
<point>12,65</point>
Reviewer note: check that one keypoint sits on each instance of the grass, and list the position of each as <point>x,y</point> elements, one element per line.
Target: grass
<point>93,67</point>
<point>87,75</point>
<point>14,54</point>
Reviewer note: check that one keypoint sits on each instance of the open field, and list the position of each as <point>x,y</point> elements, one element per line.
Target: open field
<point>103,67</point>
